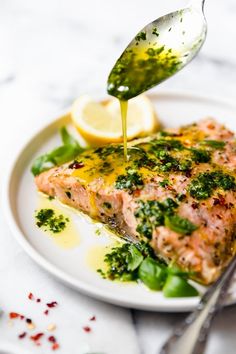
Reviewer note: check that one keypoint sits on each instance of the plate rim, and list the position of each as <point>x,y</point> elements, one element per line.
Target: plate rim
<point>58,273</point>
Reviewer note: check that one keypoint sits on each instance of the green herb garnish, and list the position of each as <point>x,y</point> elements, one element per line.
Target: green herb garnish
<point>200,155</point>
<point>64,153</point>
<point>152,214</point>
<point>215,144</point>
<point>131,181</point>
<point>177,286</point>
<point>179,224</point>
<point>137,262</point>
<point>141,36</point>
<point>47,219</point>
<point>152,274</point>
<point>204,185</point>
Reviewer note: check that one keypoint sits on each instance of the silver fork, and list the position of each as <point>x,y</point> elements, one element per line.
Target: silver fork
<point>190,337</point>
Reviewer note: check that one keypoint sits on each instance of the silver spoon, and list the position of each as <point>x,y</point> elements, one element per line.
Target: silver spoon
<point>158,51</point>
<point>190,337</point>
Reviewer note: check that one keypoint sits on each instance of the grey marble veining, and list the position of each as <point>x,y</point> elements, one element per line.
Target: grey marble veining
<point>51,52</point>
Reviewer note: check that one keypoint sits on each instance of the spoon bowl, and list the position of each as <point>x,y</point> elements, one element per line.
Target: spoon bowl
<point>158,51</point>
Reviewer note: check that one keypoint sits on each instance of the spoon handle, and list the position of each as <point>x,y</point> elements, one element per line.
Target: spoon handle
<point>190,337</point>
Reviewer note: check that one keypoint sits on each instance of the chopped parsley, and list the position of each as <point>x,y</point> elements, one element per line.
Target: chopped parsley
<point>155,32</point>
<point>48,220</point>
<point>105,151</point>
<point>204,185</point>
<point>215,144</point>
<point>141,36</point>
<point>200,155</point>
<point>153,213</point>
<point>130,181</point>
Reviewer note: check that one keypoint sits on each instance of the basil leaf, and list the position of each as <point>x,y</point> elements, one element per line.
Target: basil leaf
<point>175,270</point>
<point>68,139</point>
<point>176,286</point>
<point>41,164</point>
<point>63,154</point>
<point>58,156</point>
<point>135,258</point>
<point>152,274</point>
<point>180,225</point>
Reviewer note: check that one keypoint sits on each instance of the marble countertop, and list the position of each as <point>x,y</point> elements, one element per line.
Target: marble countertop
<point>51,52</point>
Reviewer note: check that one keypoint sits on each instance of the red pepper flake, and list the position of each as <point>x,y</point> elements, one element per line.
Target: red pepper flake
<point>14,315</point>
<point>37,336</point>
<point>38,300</point>
<point>92,318</point>
<point>55,346</point>
<point>31,296</point>
<point>46,312</point>
<point>22,317</point>
<point>87,329</point>
<point>28,320</point>
<point>76,165</point>
<point>22,335</point>
<point>52,339</point>
<point>52,304</point>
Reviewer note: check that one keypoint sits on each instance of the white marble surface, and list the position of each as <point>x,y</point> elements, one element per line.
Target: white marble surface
<point>50,52</point>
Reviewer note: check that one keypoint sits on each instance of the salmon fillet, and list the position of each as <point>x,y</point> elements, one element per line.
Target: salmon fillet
<point>178,190</point>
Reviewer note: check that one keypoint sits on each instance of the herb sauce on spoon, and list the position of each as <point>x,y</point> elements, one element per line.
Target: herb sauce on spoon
<point>157,52</point>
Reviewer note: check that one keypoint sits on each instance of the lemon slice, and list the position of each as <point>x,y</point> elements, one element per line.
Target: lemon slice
<point>100,122</point>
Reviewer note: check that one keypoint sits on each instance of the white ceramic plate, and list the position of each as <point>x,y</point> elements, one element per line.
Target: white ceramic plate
<point>70,265</point>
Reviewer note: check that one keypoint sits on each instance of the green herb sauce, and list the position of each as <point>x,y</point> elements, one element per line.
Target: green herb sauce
<point>153,213</point>
<point>205,184</point>
<point>48,220</point>
<point>131,181</point>
<point>141,67</point>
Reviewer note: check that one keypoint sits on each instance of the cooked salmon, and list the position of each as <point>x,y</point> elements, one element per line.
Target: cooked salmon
<point>177,190</point>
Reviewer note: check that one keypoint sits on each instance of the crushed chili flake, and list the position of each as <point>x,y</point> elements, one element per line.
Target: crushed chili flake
<point>87,329</point>
<point>76,165</point>
<point>55,346</point>
<point>38,300</point>
<point>31,296</point>
<point>46,312</point>
<point>92,318</point>
<point>52,339</point>
<point>14,315</point>
<point>28,320</point>
<point>37,336</point>
<point>22,335</point>
<point>52,304</point>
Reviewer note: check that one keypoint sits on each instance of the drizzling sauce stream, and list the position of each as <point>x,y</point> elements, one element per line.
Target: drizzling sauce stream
<point>123,109</point>
<point>144,64</point>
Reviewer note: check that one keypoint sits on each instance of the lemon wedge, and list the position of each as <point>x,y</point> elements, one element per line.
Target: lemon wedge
<point>100,122</point>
